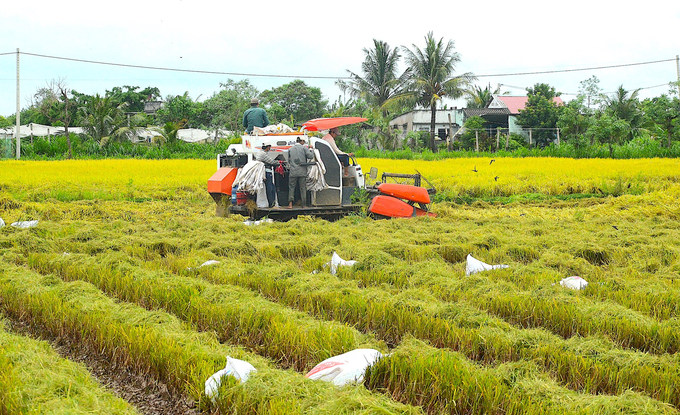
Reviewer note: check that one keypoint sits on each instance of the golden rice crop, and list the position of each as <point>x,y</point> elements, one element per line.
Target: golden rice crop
<point>519,342</point>
<point>550,176</point>
<point>503,177</point>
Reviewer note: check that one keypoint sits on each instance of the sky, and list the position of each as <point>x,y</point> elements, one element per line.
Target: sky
<point>515,44</point>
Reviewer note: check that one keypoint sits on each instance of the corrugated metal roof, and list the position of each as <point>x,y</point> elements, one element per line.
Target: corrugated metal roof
<point>473,112</point>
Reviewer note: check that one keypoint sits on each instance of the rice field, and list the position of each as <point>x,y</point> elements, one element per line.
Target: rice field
<point>105,307</point>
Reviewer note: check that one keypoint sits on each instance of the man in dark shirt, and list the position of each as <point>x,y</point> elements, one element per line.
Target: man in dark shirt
<point>298,157</point>
<point>255,116</point>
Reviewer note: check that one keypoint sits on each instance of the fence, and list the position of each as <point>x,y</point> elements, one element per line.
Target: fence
<point>6,148</point>
<point>530,135</point>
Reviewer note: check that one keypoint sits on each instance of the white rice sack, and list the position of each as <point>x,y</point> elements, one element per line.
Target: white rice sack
<point>346,368</point>
<point>261,198</point>
<point>25,224</point>
<point>235,367</point>
<point>336,262</point>
<point>474,266</point>
<point>575,283</point>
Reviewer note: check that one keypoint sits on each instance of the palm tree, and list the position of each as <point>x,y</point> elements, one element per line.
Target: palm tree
<point>103,119</point>
<point>624,105</point>
<point>380,82</point>
<point>430,76</point>
<point>480,98</point>
<point>169,132</point>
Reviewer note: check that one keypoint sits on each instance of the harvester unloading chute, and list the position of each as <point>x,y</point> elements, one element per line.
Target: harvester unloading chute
<point>319,124</point>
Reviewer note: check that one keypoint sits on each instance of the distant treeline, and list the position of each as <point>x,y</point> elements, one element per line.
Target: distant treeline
<point>84,148</point>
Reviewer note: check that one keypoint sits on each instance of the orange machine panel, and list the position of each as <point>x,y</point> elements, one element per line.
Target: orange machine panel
<point>221,181</point>
<point>404,191</point>
<point>391,206</point>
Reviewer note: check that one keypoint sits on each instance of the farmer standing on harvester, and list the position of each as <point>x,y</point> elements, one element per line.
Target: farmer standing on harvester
<point>298,159</point>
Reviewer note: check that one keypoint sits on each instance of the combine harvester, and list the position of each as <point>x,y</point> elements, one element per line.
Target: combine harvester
<point>332,202</point>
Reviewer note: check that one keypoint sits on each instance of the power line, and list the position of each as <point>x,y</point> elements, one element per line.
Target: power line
<point>577,93</point>
<point>579,69</point>
<point>182,70</point>
<point>322,77</point>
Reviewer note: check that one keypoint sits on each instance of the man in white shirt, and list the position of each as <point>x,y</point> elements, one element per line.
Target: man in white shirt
<point>342,156</point>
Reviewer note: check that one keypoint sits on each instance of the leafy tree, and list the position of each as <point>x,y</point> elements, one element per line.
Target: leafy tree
<point>351,108</point>
<point>591,92</point>
<point>382,133</point>
<point>225,109</point>
<point>417,140</point>
<point>664,112</point>
<point>296,101</point>
<point>473,129</point>
<point>182,109</point>
<point>134,100</point>
<point>574,120</point>
<point>430,77</point>
<point>480,98</point>
<point>59,106</point>
<point>4,122</point>
<point>610,130</point>
<point>541,113</point>
<point>380,81</point>
<point>33,113</point>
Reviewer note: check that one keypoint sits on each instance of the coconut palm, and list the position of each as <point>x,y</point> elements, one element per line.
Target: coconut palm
<point>480,98</point>
<point>169,132</point>
<point>103,119</point>
<point>430,76</point>
<point>624,105</point>
<point>380,81</point>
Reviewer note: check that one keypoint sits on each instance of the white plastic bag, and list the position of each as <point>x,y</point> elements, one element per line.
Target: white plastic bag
<point>209,262</point>
<point>235,367</point>
<point>574,282</point>
<point>336,262</point>
<point>272,129</point>
<point>250,178</point>
<point>474,266</point>
<point>345,368</point>
<point>206,264</point>
<point>2,223</point>
<point>249,222</point>
<point>261,198</point>
<point>315,174</point>
<point>25,224</point>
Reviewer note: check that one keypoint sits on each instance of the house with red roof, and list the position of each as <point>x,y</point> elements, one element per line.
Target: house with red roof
<point>514,105</point>
<point>501,112</point>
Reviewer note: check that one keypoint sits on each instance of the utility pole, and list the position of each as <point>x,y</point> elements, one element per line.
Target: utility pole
<point>17,127</point>
<point>677,66</point>
<point>449,135</point>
